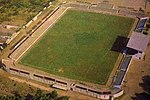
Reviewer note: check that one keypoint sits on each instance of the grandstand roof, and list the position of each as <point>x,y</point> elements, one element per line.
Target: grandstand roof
<point>138,41</point>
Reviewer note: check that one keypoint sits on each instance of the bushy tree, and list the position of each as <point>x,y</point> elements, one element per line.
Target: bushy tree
<point>11,8</point>
<point>39,95</point>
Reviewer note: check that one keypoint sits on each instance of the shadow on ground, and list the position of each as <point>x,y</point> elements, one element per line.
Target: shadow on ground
<point>120,44</point>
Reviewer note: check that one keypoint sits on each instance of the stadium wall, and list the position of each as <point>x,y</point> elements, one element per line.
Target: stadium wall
<point>61,84</point>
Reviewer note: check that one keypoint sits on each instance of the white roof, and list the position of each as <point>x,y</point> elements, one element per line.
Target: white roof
<point>138,41</point>
<point>59,87</point>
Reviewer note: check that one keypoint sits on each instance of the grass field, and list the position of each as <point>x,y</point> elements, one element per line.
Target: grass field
<point>78,46</point>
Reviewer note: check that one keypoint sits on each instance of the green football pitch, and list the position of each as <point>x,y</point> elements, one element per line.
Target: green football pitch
<point>78,46</point>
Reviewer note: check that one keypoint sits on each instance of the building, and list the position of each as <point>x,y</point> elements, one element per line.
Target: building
<point>137,43</point>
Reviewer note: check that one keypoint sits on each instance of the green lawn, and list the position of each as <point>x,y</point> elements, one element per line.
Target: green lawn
<point>78,46</point>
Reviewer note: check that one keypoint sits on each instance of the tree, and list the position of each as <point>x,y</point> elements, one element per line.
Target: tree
<point>1,64</point>
<point>54,94</point>
<point>146,87</point>
<point>148,25</point>
<point>29,97</point>
<point>63,98</point>
<point>146,84</point>
<point>39,95</point>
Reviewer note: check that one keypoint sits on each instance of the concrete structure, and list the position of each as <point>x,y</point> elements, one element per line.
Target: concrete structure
<point>58,83</point>
<point>138,42</point>
<point>141,23</point>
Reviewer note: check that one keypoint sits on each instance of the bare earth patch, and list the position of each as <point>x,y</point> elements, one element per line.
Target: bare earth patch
<point>137,71</point>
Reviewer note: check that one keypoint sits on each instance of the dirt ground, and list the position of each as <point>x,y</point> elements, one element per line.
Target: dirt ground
<point>45,87</point>
<point>138,69</point>
<point>126,3</point>
<point>132,3</point>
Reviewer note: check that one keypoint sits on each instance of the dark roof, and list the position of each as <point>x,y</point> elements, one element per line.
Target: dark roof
<point>138,41</point>
<point>140,25</point>
<point>119,78</point>
<point>121,73</point>
<point>125,63</point>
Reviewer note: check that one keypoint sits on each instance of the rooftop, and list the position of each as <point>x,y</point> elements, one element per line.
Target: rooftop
<point>138,41</point>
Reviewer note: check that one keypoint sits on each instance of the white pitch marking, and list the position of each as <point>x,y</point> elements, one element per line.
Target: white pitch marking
<point>42,33</point>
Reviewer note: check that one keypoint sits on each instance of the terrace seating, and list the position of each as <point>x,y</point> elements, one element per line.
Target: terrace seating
<point>122,71</point>
<point>140,25</point>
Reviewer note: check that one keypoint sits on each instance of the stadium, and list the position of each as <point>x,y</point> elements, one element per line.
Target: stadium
<point>79,49</point>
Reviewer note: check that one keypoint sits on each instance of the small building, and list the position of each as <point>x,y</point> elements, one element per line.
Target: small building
<point>138,42</point>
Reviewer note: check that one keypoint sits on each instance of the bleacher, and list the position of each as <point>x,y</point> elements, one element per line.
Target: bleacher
<point>119,78</point>
<point>122,72</point>
<point>140,25</point>
<point>125,63</point>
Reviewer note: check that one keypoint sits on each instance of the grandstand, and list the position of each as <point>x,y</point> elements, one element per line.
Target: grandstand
<point>122,70</point>
<point>141,24</point>
<point>135,48</point>
<point>138,42</point>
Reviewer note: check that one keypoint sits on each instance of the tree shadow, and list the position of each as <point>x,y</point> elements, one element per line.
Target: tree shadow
<point>29,97</point>
<point>1,64</point>
<point>146,87</point>
<point>141,96</point>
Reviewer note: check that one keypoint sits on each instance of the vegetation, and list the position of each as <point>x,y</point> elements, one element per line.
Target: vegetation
<point>145,95</point>
<point>9,87</point>
<point>78,46</point>
<point>39,95</point>
<point>20,9</point>
<point>1,64</point>
<point>11,90</point>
